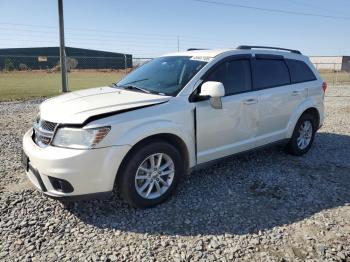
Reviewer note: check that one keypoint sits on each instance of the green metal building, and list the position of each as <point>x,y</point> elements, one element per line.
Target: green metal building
<point>48,57</point>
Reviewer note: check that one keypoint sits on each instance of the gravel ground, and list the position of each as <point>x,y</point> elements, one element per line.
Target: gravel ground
<point>262,206</point>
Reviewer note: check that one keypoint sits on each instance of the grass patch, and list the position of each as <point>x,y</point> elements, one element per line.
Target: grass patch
<point>21,85</point>
<point>335,77</point>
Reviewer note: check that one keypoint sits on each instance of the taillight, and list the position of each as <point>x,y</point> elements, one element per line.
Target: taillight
<point>324,86</point>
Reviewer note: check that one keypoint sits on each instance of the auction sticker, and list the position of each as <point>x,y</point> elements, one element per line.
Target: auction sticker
<point>201,58</point>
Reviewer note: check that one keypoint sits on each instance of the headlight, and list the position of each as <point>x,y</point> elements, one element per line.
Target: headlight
<point>79,138</point>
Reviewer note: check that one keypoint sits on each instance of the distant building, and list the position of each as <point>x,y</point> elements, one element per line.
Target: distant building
<point>336,63</point>
<point>48,57</point>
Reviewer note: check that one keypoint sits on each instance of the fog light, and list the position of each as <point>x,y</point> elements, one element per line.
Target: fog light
<point>61,185</point>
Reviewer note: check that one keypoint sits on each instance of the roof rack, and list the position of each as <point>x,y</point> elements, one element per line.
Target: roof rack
<point>194,49</point>
<point>248,47</point>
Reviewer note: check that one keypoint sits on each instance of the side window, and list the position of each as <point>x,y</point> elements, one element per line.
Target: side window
<point>269,73</point>
<point>235,76</point>
<point>299,71</point>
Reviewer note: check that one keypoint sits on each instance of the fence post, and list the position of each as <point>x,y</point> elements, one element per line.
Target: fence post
<point>125,64</point>
<point>336,77</point>
<point>333,75</point>
<point>62,48</point>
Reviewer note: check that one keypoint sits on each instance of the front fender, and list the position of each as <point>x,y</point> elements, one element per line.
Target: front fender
<point>142,131</point>
<point>302,107</point>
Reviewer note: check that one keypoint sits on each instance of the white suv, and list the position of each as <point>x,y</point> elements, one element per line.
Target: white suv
<point>171,114</point>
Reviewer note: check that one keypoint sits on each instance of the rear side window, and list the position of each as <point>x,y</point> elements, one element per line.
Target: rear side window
<point>269,73</point>
<point>300,71</point>
<point>235,76</point>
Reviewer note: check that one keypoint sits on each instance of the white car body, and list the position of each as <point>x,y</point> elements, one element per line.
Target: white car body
<point>246,121</point>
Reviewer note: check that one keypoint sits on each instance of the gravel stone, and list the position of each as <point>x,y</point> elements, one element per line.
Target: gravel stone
<point>261,206</point>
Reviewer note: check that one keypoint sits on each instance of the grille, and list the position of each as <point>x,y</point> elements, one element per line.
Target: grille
<point>43,132</point>
<point>46,125</point>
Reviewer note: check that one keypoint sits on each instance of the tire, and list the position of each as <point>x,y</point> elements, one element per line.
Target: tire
<point>295,145</point>
<point>135,165</point>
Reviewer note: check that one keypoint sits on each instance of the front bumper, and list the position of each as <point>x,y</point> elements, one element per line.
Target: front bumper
<point>90,173</point>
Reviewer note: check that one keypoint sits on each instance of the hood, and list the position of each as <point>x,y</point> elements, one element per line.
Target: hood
<point>76,107</point>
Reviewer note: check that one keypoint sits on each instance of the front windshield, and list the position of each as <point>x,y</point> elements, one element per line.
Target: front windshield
<point>164,75</point>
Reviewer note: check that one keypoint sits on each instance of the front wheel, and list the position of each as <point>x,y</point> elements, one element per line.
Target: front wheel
<point>303,135</point>
<point>150,174</point>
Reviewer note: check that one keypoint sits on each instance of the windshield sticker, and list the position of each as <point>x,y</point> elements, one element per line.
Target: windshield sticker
<point>201,58</point>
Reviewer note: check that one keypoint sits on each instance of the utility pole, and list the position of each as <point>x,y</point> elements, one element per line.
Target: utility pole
<point>62,49</point>
<point>125,64</point>
<point>178,43</point>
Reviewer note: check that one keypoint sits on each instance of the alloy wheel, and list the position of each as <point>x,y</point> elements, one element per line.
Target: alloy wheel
<point>154,176</point>
<point>305,134</point>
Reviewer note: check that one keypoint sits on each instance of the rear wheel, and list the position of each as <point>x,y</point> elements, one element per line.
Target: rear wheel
<point>150,174</point>
<point>303,135</point>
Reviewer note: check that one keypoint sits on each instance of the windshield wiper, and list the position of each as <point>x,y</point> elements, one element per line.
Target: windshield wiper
<point>136,87</point>
<point>130,86</point>
<point>136,81</point>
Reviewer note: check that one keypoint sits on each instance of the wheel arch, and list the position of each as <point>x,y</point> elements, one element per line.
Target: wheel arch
<point>170,138</point>
<point>314,112</point>
<point>306,108</point>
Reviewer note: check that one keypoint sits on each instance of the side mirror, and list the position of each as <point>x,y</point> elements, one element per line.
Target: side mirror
<point>215,90</point>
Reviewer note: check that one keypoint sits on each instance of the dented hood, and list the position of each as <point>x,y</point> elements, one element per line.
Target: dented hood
<point>76,107</point>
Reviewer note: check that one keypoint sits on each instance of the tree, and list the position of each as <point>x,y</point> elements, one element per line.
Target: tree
<point>71,64</point>
<point>23,67</point>
<point>8,65</point>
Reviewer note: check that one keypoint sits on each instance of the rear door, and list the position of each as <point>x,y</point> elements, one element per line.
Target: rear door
<point>303,81</point>
<point>271,80</point>
<point>222,132</point>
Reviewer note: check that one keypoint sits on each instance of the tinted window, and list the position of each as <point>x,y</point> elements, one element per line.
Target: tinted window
<point>235,76</point>
<point>299,71</point>
<point>269,73</point>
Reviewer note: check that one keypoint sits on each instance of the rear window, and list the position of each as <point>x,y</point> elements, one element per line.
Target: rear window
<point>269,73</point>
<point>300,71</point>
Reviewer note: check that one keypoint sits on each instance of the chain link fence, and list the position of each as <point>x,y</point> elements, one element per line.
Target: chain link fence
<point>27,76</point>
<point>23,77</point>
<point>337,78</point>
<point>52,63</point>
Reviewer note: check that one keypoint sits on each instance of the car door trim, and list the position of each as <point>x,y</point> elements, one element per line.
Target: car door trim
<point>268,56</point>
<point>205,164</point>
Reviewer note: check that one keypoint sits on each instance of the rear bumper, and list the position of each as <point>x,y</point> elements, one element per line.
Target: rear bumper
<point>88,173</point>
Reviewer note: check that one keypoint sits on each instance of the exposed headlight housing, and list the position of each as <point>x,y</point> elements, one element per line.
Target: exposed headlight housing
<point>79,138</point>
<point>37,118</point>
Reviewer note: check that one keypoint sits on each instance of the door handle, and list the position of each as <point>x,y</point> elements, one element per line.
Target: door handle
<point>250,101</point>
<point>296,93</point>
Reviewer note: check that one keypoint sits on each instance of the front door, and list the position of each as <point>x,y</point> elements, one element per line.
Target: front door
<point>222,132</point>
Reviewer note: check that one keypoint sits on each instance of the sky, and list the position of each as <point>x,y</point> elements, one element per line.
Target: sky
<point>154,27</point>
